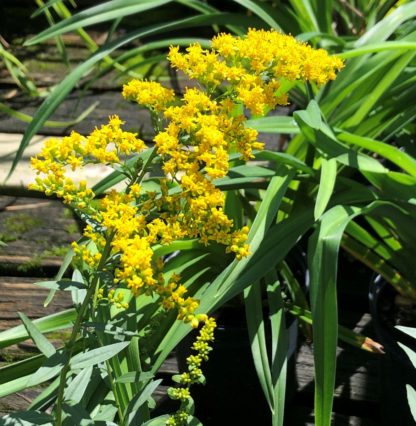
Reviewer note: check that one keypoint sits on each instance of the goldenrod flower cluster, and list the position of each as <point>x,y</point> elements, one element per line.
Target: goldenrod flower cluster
<point>194,374</point>
<point>150,94</point>
<point>201,129</point>
<point>107,145</point>
<point>252,66</point>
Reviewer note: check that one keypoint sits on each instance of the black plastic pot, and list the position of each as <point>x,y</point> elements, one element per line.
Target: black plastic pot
<point>232,393</point>
<point>396,370</point>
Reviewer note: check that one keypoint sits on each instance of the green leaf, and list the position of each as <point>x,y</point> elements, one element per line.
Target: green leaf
<point>139,400</point>
<point>94,15</point>
<point>27,418</point>
<point>323,10</point>
<point>193,421</point>
<point>368,101</point>
<point>389,152</point>
<point>326,186</point>
<point>76,414</point>
<point>48,123</point>
<point>378,47</point>
<point>411,399</point>
<point>323,260</point>
<point>13,386</point>
<point>135,377</point>
<point>41,342</point>
<point>45,398</point>
<point>45,324</point>
<point>74,392</point>
<point>95,356</point>
<point>387,26</point>
<point>63,285</point>
<point>78,293</point>
<point>410,331</point>
<point>273,124</point>
<point>63,268</point>
<point>345,334</point>
<point>158,421</point>
<point>409,352</point>
<point>261,10</point>
<point>311,116</point>
<point>280,348</point>
<point>257,335</point>
<point>305,15</point>
<point>49,369</point>
<point>321,136</point>
<point>394,185</point>
<point>282,157</point>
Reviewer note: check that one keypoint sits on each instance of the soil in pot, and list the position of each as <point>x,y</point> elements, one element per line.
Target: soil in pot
<point>388,309</point>
<point>232,393</point>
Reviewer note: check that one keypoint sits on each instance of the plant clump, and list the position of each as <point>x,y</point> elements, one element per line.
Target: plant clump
<point>195,135</point>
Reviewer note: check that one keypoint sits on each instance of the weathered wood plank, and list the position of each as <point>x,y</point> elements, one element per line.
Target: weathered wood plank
<point>356,379</point>
<point>108,103</point>
<point>37,233</point>
<point>19,294</point>
<point>357,371</point>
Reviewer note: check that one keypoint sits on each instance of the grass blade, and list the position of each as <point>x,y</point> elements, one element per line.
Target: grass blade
<point>101,13</point>
<point>261,11</point>
<point>274,124</point>
<point>378,47</point>
<point>38,338</point>
<point>386,27</point>
<point>389,152</point>
<point>323,260</point>
<point>257,335</point>
<point>280,347</point>
<point>46,324</point>
<point>326,186</point>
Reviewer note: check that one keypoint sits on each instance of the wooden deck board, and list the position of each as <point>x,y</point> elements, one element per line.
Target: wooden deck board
<point>36,232</point>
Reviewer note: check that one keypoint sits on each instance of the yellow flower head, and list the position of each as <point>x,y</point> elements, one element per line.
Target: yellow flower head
<point>148,93</point>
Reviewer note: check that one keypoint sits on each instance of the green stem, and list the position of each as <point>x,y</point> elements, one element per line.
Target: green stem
<point>75,331</point>
<point>116,392</point>
<point>70,346</point>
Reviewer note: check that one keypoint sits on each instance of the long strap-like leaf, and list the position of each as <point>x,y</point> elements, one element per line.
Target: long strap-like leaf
<point>323,260</point>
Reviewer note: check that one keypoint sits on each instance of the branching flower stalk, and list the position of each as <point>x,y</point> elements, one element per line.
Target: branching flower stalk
<point>195,134</point>
<point>76,329</point>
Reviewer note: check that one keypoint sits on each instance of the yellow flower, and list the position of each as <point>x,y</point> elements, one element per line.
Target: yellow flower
<point>148,93</point>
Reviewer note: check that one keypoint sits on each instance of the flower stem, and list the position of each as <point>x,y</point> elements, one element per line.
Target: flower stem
<point>75,331</point>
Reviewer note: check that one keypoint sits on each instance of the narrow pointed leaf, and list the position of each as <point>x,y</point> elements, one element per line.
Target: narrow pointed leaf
<point>46,324</point>
<point>95,356</point>
<point>41,342</point>
<point>261,10</point>
<point>323,260</point>
<point>280,348</point>
<point>326,186</point>
<point>74,392</point>
<point>50,369</point>
<point>27,418</point>
<point>389,152</point>
<point>257,335</point>
<point>101,13</point>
